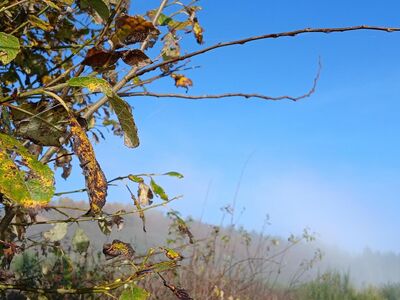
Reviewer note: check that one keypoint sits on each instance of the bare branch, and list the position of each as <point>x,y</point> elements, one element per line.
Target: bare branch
<point>266,36</point>
<point>229,95</point>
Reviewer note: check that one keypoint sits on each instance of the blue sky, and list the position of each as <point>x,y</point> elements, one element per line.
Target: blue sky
<point>330,162</point>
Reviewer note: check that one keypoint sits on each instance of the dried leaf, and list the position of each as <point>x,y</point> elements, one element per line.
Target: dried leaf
<point>9,47</point>
<point>182,81</point>
<point>40,123</point>
<point>24,180</point>
<point>138,207</point>
<point>105,226</point>
<point>118,248</point>
<point>97,58</point>
<point>144,194</point>
<point>130,30</point>
<point>198,32</point>
<point>136,58</point>
<point>95,179</point>
<point>171,48</point>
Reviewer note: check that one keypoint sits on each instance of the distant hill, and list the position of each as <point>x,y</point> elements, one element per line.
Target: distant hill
<point>365,269</point>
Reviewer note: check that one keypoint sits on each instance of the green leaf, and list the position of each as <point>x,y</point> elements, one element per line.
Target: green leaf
<point>174,174</point>
<point>93,84</point>
<point>121,108</point>
<point>23,179</point>
<point>135,178</point>
<point>134,292</point>
<point>124,113</point>
<point>158,190</point>
<point>9,47</point>
<point>80,241</point>
<point>57,233</point>
<point>164,20</point>
<point>100,7</point>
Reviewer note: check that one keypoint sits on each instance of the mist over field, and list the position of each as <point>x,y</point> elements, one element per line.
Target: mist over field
<point>365,268</point>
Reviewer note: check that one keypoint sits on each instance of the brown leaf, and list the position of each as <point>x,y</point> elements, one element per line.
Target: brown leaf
<point>97,58</point>
<point>144,194</point>
<point>95,179</point>
<point>118,248</point>
<point>130,30</point>
<point>136,58</point>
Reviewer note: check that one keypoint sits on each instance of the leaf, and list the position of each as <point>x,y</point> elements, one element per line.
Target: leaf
<point>40,123</point>
<point>133,29</point>
<point>57,233</point>
<point>39,23</point>
<point>118,248</point>
<point>9,47</point>
<point>174,174</point>
<point>158,190</point>
<point>100,7</point>
<point>95,179</point>
<point>121,108</point>
<point>80,241</point>
<point>135,178</point>
<point>182,81</point>
<point>124,113</point>
<point>198,32</point>
<point>100,58</point>
<point>172,254</point>
<point>23,179</point>
<point>134,292</point>
<point>144,194</point>
<point>92,83</point>
<point>171,48</point>
<point>105,226</point>
<point>136,58</point>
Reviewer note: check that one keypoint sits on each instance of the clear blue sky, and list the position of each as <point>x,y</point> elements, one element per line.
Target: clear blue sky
<point>330,162</point>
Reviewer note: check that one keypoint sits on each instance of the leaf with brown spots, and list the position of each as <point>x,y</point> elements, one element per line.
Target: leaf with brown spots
<point>131,30</point>
<point>95,179</point>
<point>23,179</point>
<point>118,248</point>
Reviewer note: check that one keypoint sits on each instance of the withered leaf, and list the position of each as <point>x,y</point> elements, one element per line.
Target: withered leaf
<point>118,248</point>
<point>171,48</point>
<point>198,31</point>
<point>136,58</point>
<point>95,179</point>
<point>97,58</point>
<point>133,29</point>
<point>182,81</point>
<point>144,194</point>
<point>139,208</point>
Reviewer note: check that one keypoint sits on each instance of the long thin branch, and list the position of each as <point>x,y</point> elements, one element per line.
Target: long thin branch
<point>229,95</point>
<point>135,72</point>
<point>266,36</point>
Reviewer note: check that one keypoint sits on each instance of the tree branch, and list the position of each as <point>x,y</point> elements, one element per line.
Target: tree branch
<point>266,36</point>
